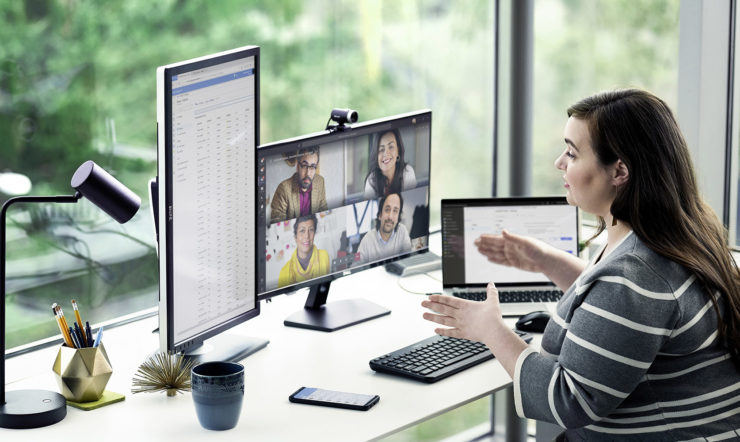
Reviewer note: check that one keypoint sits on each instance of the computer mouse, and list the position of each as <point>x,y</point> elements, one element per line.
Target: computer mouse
<point>533,322</point>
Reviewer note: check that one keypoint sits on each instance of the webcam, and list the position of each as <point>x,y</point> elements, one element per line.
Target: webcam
<point>343,118</point>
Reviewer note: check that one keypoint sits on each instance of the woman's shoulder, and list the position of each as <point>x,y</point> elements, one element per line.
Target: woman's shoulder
<point>323,255</point>
<point>369,180</point>
<point>369,189</point>
<point>285,268</point>
<point>409,177</point>
<point>634,261</point>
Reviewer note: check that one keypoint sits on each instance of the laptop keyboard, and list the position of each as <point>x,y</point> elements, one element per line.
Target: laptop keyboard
<point>435,358</point>
<point>551,295</point>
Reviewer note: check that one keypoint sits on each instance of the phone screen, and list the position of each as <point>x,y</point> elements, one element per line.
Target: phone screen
<point>318,394</point>
<point>329,398</point>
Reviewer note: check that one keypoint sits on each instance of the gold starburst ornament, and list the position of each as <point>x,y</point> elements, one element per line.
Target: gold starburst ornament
<point>163,372</point>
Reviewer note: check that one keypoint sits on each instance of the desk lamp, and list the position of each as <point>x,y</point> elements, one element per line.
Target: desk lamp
<point>38,408</point>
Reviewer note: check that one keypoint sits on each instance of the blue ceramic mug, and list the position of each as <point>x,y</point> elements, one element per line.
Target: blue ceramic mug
<point>218,393</point>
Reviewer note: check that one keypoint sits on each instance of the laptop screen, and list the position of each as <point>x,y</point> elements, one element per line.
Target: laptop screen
<point>550,219</point>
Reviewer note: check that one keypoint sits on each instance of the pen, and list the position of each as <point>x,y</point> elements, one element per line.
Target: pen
<point>79,335</point>
<point>98,337</point>
<point>79,323</point>
<point>88,333</point>
<point>74,338</point>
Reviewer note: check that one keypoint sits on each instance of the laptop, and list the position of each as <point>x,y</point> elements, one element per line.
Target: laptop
<point>466,272</point>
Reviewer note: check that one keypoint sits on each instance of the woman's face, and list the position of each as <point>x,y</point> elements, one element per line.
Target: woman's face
<point>304,235</point>
<point>588,183</point>
<point>387,153</point>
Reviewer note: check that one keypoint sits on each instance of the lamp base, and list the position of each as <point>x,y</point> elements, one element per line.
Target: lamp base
<point>32,409</point>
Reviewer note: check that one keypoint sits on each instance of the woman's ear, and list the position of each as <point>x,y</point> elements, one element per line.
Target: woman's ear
<point>620,173</point>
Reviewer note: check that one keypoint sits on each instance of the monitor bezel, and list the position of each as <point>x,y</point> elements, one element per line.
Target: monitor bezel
<point>164,160</point>
<point>328,136</point>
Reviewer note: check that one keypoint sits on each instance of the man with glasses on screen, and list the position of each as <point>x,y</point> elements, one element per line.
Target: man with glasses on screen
<point>303,193</point>
<point>389,237</point>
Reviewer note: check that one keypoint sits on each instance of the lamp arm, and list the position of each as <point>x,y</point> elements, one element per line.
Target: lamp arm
<point>18,199</point>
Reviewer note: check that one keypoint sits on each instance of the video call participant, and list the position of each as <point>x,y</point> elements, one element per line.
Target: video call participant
<point>389,237</point>
<point>307,260</point>
<point>389,172</point>
<point>303,193</point>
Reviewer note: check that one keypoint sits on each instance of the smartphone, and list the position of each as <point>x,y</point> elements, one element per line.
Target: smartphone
<point>328,398</point>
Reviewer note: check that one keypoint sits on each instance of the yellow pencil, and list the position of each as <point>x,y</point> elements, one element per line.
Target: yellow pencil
<point>70,342</point>
<point>59,323</point>
<point>79,323</point>
<point>60,320</point>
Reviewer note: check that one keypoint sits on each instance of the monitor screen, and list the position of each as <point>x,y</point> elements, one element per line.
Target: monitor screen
<point>335,202</point>
<point>549,219</point>
<point>208,120</point>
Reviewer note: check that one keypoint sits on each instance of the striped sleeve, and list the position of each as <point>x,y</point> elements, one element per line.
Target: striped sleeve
<point>624,316</point>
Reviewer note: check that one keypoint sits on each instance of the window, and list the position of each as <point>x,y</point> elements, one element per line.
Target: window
<point>580,48</point>
<point>734,190</point>
<point>77,82</point>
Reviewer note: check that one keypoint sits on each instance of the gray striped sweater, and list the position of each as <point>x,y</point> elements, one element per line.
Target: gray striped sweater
<point>632,354</point>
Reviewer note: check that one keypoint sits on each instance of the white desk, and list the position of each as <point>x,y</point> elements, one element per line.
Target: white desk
<point>294,358</point>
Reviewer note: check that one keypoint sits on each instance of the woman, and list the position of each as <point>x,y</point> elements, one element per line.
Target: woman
<point>307,261</point>
<point>390,173</point>
<point>644,344</point>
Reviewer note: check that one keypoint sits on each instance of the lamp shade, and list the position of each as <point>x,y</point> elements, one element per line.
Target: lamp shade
<point>106,192</point>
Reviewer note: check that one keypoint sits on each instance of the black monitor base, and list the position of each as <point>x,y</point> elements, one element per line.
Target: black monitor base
<point>336,315</point>
<point>318,315</point>
<point>226,347</point>
<point>32,409</point>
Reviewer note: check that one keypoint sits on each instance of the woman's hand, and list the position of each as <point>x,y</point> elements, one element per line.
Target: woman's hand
<point>514,250</point>
<point>477,321</point>
<point>473,320</point>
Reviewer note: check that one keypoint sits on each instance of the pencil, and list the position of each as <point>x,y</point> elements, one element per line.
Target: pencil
<point>59,323</point>
<point>65,333</point>
<point>79,322</point>
<point>66,326</point>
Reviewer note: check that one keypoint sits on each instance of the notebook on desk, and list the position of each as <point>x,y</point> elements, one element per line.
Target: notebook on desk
<point>466,272</point>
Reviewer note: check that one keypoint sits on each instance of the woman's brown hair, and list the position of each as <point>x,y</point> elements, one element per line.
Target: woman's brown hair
<point>661,200</point>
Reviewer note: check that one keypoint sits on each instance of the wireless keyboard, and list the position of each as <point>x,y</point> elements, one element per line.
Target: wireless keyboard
<point>514,296</point>
<point>435,358</point>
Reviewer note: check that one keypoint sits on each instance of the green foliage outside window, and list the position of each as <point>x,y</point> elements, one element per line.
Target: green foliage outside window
<point>77,82</point>
<point>586,46</point>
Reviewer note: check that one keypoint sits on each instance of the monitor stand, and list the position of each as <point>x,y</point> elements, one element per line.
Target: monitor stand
<point>226,347</point>
<point>318,315</point>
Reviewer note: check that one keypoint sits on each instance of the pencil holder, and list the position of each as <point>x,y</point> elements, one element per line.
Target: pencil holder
<point>82,373</point>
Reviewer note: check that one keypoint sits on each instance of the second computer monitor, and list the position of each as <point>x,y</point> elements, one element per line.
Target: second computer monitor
<point>331,203</point>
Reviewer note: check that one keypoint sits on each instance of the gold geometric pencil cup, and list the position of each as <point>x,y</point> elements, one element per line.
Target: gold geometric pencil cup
<point>82,373</point>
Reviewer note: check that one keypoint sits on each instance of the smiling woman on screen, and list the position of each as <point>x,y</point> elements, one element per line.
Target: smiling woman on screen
<point>389,171</point>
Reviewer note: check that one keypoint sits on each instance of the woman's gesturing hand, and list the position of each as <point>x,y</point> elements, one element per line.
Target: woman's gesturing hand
<point>513,250</point>
<point>473,320</point>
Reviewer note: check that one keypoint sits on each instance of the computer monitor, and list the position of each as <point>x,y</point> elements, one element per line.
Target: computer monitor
<point>207,132</point>
<point>339,201</point>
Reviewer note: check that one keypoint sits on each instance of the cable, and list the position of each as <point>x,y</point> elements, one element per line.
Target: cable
<point>398,281</point>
